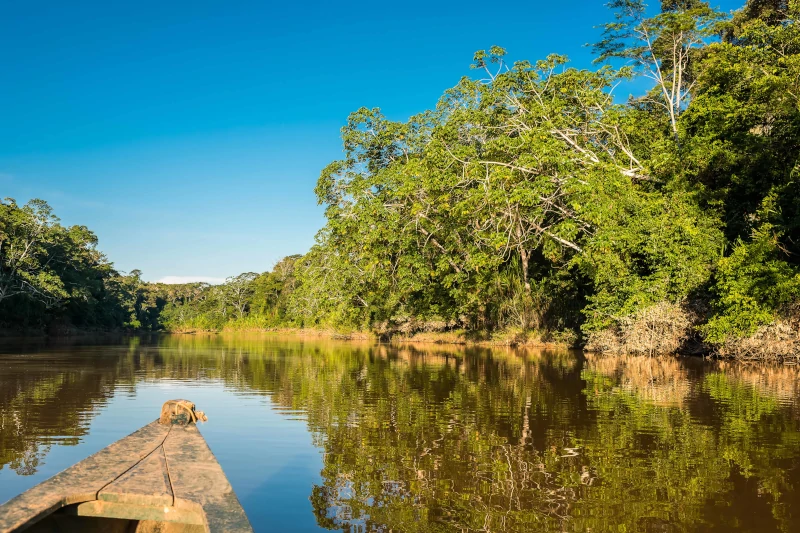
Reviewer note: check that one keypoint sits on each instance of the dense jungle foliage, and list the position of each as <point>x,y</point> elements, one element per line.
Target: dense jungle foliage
<point>532,198</point>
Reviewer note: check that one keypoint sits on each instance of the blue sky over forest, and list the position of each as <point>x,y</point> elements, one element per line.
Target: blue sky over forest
<point>189,135</point>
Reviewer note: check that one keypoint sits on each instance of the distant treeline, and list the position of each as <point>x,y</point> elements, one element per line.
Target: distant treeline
<point>53,279</point>
<point>531,199</point>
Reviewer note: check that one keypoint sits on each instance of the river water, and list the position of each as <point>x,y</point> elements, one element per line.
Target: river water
<point>317,435</point>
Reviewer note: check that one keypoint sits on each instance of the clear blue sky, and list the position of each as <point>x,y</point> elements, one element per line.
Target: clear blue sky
<point>189,135</point>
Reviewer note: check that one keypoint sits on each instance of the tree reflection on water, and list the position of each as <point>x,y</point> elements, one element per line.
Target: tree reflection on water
<point>468,439</point>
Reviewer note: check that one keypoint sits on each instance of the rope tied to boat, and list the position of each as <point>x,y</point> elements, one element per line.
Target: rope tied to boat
<point>180,412</point>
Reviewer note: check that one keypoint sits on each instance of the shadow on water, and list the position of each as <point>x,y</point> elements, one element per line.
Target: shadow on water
<point>455,439</point>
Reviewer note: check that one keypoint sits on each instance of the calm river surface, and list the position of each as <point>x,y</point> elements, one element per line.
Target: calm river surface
<point>318,435</point>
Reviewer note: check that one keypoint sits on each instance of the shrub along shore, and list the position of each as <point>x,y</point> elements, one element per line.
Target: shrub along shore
<point>535,200</point>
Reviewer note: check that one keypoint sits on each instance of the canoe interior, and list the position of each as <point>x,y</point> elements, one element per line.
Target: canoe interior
<point>67,520</point>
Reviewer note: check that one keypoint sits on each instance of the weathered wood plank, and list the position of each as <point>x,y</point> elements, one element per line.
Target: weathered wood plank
<point>147,483</point>
<point>83,481</point>
<point>198,480</point>
<point>135,512</point>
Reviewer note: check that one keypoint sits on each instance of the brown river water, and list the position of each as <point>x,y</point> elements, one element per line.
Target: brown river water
<point>358,437</point>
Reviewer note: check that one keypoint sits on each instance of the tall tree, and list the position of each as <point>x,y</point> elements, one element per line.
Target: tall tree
<point>29,239</point>
<point>662,47</point>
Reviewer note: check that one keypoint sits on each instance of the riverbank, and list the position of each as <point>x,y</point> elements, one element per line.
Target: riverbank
<point>775,344</point>
<point>462,337</point>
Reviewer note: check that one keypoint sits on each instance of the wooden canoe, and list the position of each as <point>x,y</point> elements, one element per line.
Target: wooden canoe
<point>161,478</point>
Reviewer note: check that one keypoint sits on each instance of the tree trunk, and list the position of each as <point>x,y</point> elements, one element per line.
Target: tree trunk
<point>525,258</point>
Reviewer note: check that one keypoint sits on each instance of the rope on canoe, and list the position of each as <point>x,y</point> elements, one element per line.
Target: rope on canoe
<point>181,412</point>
